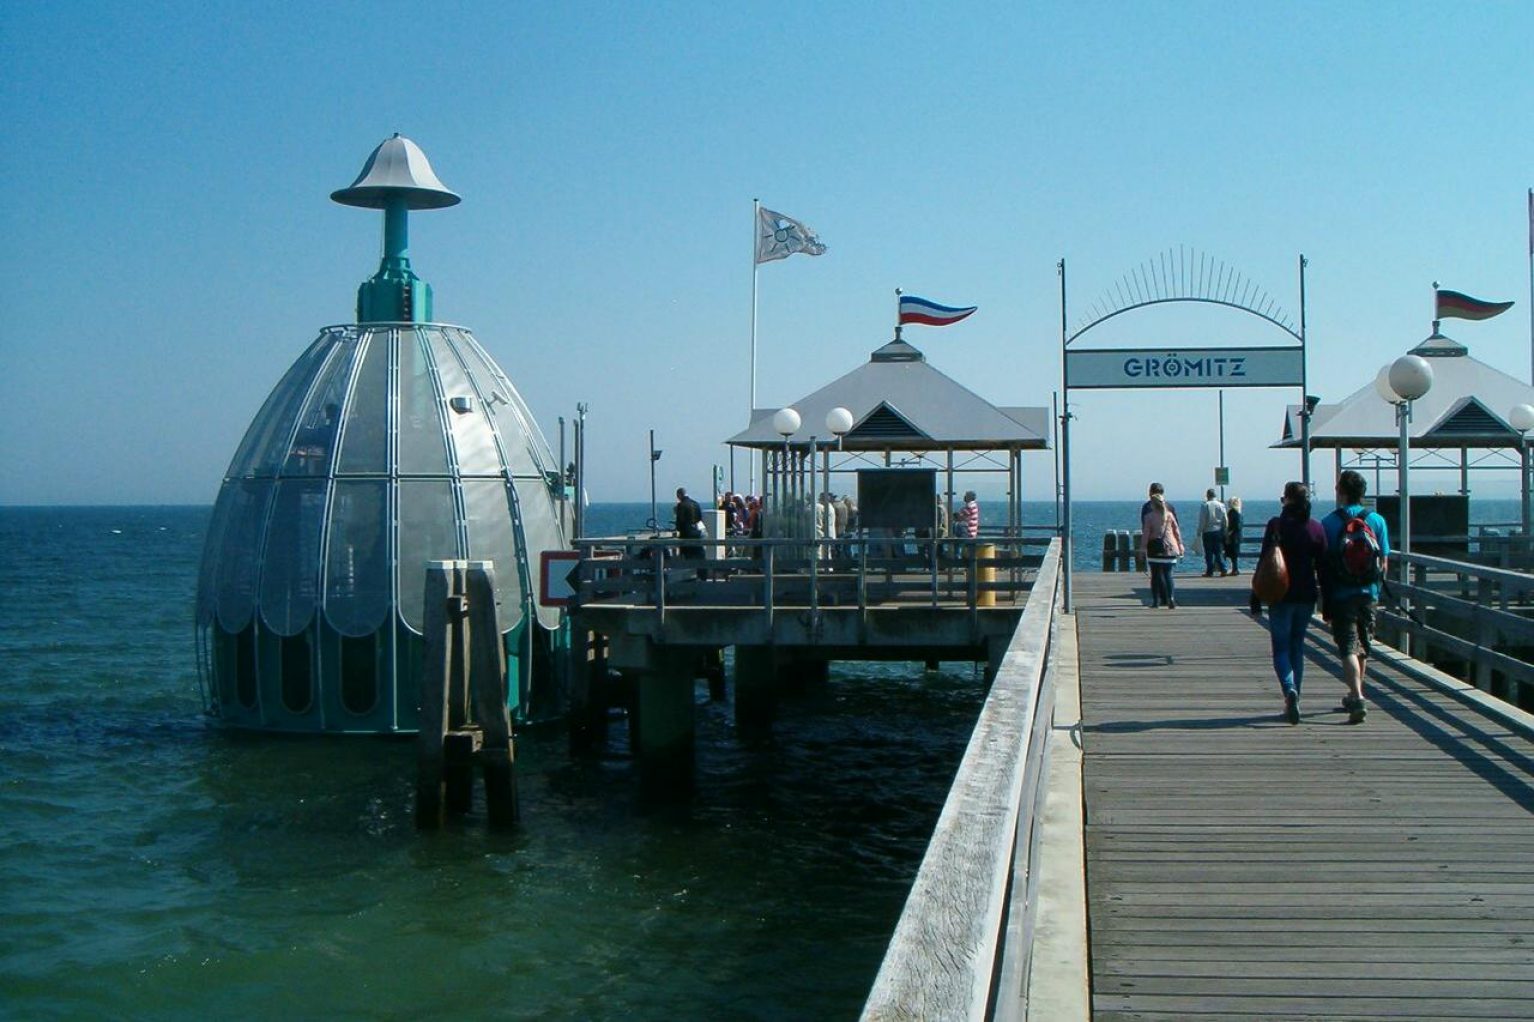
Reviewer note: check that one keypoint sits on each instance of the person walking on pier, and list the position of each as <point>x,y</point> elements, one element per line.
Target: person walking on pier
<point>1211,531</point>
<point>1161,546</point>
<point>1303,543</point>
<point>1233,534</point>
<point>1358,550</point>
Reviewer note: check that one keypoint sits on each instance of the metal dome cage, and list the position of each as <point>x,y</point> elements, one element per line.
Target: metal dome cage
<point>385,446</point>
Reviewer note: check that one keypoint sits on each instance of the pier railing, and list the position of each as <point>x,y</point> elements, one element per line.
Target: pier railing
<point>962,946</point>
<point>1480,615</point>
<point>769,574</point>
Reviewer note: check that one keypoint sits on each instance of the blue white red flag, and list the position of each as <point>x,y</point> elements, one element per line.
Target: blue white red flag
<point>919,310</point>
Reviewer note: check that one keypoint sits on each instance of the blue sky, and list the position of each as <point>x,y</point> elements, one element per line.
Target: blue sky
<point>170,246</point>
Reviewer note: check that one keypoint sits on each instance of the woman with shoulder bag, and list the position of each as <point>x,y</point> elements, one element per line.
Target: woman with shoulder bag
<point>1293,543</point>
<point>1161,546</point>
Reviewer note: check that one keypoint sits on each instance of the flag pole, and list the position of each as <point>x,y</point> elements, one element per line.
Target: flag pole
<point>756,218</point>
<point>897,313</point>
<point>1531,286</point>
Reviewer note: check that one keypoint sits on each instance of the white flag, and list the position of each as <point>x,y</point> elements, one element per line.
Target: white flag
<point>779,236</point>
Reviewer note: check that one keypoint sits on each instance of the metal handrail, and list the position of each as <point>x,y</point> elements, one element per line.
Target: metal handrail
<point>1473,612</point>
<point>790,571</point>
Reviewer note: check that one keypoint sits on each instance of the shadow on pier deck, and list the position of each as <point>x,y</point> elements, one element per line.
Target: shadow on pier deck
<point>1240,867</point>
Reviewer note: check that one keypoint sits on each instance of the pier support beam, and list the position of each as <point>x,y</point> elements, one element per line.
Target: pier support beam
<point>589,691</point>
<point>664,732</point>
<point>756,688</point>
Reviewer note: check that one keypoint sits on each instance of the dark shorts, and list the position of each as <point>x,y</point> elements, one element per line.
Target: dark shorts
<point>1353,625</point>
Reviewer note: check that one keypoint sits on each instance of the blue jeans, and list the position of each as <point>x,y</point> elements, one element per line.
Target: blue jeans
<point>1162,590</point>
<point>1214,551</point>
<point>1286,626</point>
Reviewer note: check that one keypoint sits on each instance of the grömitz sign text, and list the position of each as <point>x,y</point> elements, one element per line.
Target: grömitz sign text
<point>1185,367</point>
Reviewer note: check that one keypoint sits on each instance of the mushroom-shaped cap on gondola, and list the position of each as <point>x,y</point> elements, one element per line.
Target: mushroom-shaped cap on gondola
<point>397,169</point>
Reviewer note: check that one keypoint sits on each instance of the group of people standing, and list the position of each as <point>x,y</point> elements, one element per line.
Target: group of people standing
<point>1161,542</point>
<point>835,517</point>
<point>1323,564</point>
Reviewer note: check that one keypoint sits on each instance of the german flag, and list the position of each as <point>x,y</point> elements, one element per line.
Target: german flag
<point>1454,305</point>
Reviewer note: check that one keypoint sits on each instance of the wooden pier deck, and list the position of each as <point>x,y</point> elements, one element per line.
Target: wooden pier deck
<point>1242,868</point>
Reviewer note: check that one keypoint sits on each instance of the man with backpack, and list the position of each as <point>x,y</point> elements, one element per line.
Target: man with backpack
<point>1358,548</point>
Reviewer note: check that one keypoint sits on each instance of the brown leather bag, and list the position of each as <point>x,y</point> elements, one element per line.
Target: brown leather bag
<point>1271,579</point>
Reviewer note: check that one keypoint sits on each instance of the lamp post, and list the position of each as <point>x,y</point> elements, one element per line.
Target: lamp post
<point>838,422</point>
<point>654,457</point>
<point>1405,380</point>
<point>785,422</point>
<point>1521,418</point>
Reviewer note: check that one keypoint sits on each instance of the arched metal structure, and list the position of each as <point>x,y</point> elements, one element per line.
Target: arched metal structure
<point>1182,275</point>
<point>1187,275</point>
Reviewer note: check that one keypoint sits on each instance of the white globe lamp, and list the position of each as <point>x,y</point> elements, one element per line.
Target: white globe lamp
<point>1383,388</point>
<point>1411,377</point>
<point>785,422</point>
<point>839,420</point>
<point>1521,418</point>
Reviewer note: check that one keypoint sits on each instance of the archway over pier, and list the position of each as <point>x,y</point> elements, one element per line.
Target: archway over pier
<point>1180,275</point>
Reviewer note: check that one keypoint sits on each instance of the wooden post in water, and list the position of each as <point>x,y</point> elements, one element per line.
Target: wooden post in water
<point>460,743</point>
<point>436,667</point>
<point>463,667</point>
<point>488,674</point>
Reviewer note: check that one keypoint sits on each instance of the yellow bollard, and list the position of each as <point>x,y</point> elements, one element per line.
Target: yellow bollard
<point>985,573</point>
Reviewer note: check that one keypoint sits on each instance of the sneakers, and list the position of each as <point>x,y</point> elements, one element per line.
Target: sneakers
<point>1292,706</point>
<point>1355,709</point>
<point>1171,605</point>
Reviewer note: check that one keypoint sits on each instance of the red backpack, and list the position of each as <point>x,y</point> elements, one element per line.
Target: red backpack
<point>1358,559</point>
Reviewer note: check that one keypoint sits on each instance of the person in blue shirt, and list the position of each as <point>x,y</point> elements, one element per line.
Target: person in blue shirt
<point>1346,605</point>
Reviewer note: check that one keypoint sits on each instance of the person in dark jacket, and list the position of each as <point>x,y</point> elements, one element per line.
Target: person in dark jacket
<point>1303,543</point>
<point>1233,534</point>
<point>689,525</point>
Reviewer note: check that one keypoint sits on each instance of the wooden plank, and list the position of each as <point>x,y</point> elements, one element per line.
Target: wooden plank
<point>1242,867</point>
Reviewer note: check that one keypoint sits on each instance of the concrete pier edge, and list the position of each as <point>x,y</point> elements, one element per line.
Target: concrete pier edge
<point>1059,981</point>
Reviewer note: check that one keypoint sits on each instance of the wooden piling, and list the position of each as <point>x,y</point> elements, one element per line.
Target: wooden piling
<point>488,674</point>
<point>436,668</point>
<point>464,719</point>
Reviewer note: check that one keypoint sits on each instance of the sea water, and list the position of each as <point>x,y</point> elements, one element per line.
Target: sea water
<point>154,866</point>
